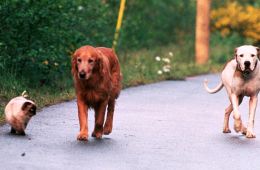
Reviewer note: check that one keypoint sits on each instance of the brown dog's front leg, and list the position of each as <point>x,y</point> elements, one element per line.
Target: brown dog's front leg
<point>110,114</point>
<point>100,111</point>
<point>83,117</point>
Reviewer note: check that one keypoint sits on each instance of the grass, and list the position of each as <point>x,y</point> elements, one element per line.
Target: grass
<point>43,97</point>
<point>162,63</point>
<point>141,67</point>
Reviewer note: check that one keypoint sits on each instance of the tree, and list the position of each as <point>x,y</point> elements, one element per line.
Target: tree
<point>202,31</point>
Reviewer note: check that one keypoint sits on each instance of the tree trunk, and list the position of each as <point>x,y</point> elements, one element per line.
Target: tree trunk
<point>202,31</point>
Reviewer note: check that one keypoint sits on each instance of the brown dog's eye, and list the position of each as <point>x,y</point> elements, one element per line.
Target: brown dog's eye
<point>252,55</point>
<point>90,61</point>
<point>241,55</point>
<point>79,60</point>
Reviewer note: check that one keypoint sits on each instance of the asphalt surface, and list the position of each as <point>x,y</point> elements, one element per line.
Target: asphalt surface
<point>167,125</point>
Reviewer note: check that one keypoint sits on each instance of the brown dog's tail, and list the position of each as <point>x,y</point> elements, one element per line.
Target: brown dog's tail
<point>214,90</point>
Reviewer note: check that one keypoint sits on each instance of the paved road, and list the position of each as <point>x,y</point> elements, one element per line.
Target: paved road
<point>168,125</point>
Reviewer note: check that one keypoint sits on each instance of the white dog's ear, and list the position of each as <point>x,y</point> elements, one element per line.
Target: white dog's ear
<point>258,52</point>
<point>235,53</point>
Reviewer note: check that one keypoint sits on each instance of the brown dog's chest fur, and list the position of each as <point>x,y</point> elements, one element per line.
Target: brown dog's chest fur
<point>93,97</point>
<point>94,93</point>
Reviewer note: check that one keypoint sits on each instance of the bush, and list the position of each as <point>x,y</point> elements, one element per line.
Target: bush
<point>222,49</point>
<point>38,37</point>
<point>235,18</point>
<point>157,23</point>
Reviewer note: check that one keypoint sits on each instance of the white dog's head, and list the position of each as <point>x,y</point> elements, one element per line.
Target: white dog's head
<point>247,57</point>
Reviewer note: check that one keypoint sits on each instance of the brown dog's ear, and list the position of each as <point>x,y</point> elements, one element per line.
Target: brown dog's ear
<point>102,63</point>
<point>74,67</point>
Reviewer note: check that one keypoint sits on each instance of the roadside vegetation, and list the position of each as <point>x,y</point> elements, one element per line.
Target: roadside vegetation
<point>156,43</point>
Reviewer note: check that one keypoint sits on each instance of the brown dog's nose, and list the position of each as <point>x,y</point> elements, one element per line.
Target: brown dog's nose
<point>247,64</point>
<point>82,74</point>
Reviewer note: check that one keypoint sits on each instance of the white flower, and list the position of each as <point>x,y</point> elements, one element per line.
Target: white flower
<point>159,72</point>
<point>166,60</point>
<point>170,54</point>
<point>80,8</point>
<point>158,58</point>
<point>166,68</point>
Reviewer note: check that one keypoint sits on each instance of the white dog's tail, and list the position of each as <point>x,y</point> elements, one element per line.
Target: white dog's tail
<point>214,90</point>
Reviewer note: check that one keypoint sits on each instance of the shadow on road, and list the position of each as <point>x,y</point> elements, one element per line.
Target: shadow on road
<point>240,140</point>
<point>15,136</point>
<point>105,142</point>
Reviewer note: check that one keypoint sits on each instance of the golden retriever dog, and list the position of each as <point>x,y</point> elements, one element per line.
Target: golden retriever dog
<point>18,113</point>
<point>97,81</point>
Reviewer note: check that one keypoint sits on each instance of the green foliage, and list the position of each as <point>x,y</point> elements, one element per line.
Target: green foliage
<point>38,37</point>
<point>160,63</point>
<point>222,49</point>
<point>156,23</point>
<point>224,41</point>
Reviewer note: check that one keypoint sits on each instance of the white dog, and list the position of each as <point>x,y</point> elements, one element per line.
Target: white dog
<point>241,77</point>
<point>18,112</point>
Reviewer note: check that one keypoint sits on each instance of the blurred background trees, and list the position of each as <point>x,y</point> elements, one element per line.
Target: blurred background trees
<point>37,37</point>
<point>202,31</point>
<point>234,17</point>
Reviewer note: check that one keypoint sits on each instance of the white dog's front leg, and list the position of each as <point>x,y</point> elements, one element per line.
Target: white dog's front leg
<point>237,117</point>
<point>228,111</point>
<point>252,108</point>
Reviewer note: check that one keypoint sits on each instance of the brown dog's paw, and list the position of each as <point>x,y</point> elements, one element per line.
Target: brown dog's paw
<point>82,136</point>
<point>98,131</point>
<point>97,134</point>
<point>250,134</point>
<point>107,129</point>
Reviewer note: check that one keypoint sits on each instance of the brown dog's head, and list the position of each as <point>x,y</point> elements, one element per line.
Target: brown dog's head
<point>85,62</point>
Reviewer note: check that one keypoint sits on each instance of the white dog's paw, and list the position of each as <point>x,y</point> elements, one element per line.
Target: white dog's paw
<point>250,134</point>
<point>238,125</point>
<point>244,130</point>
